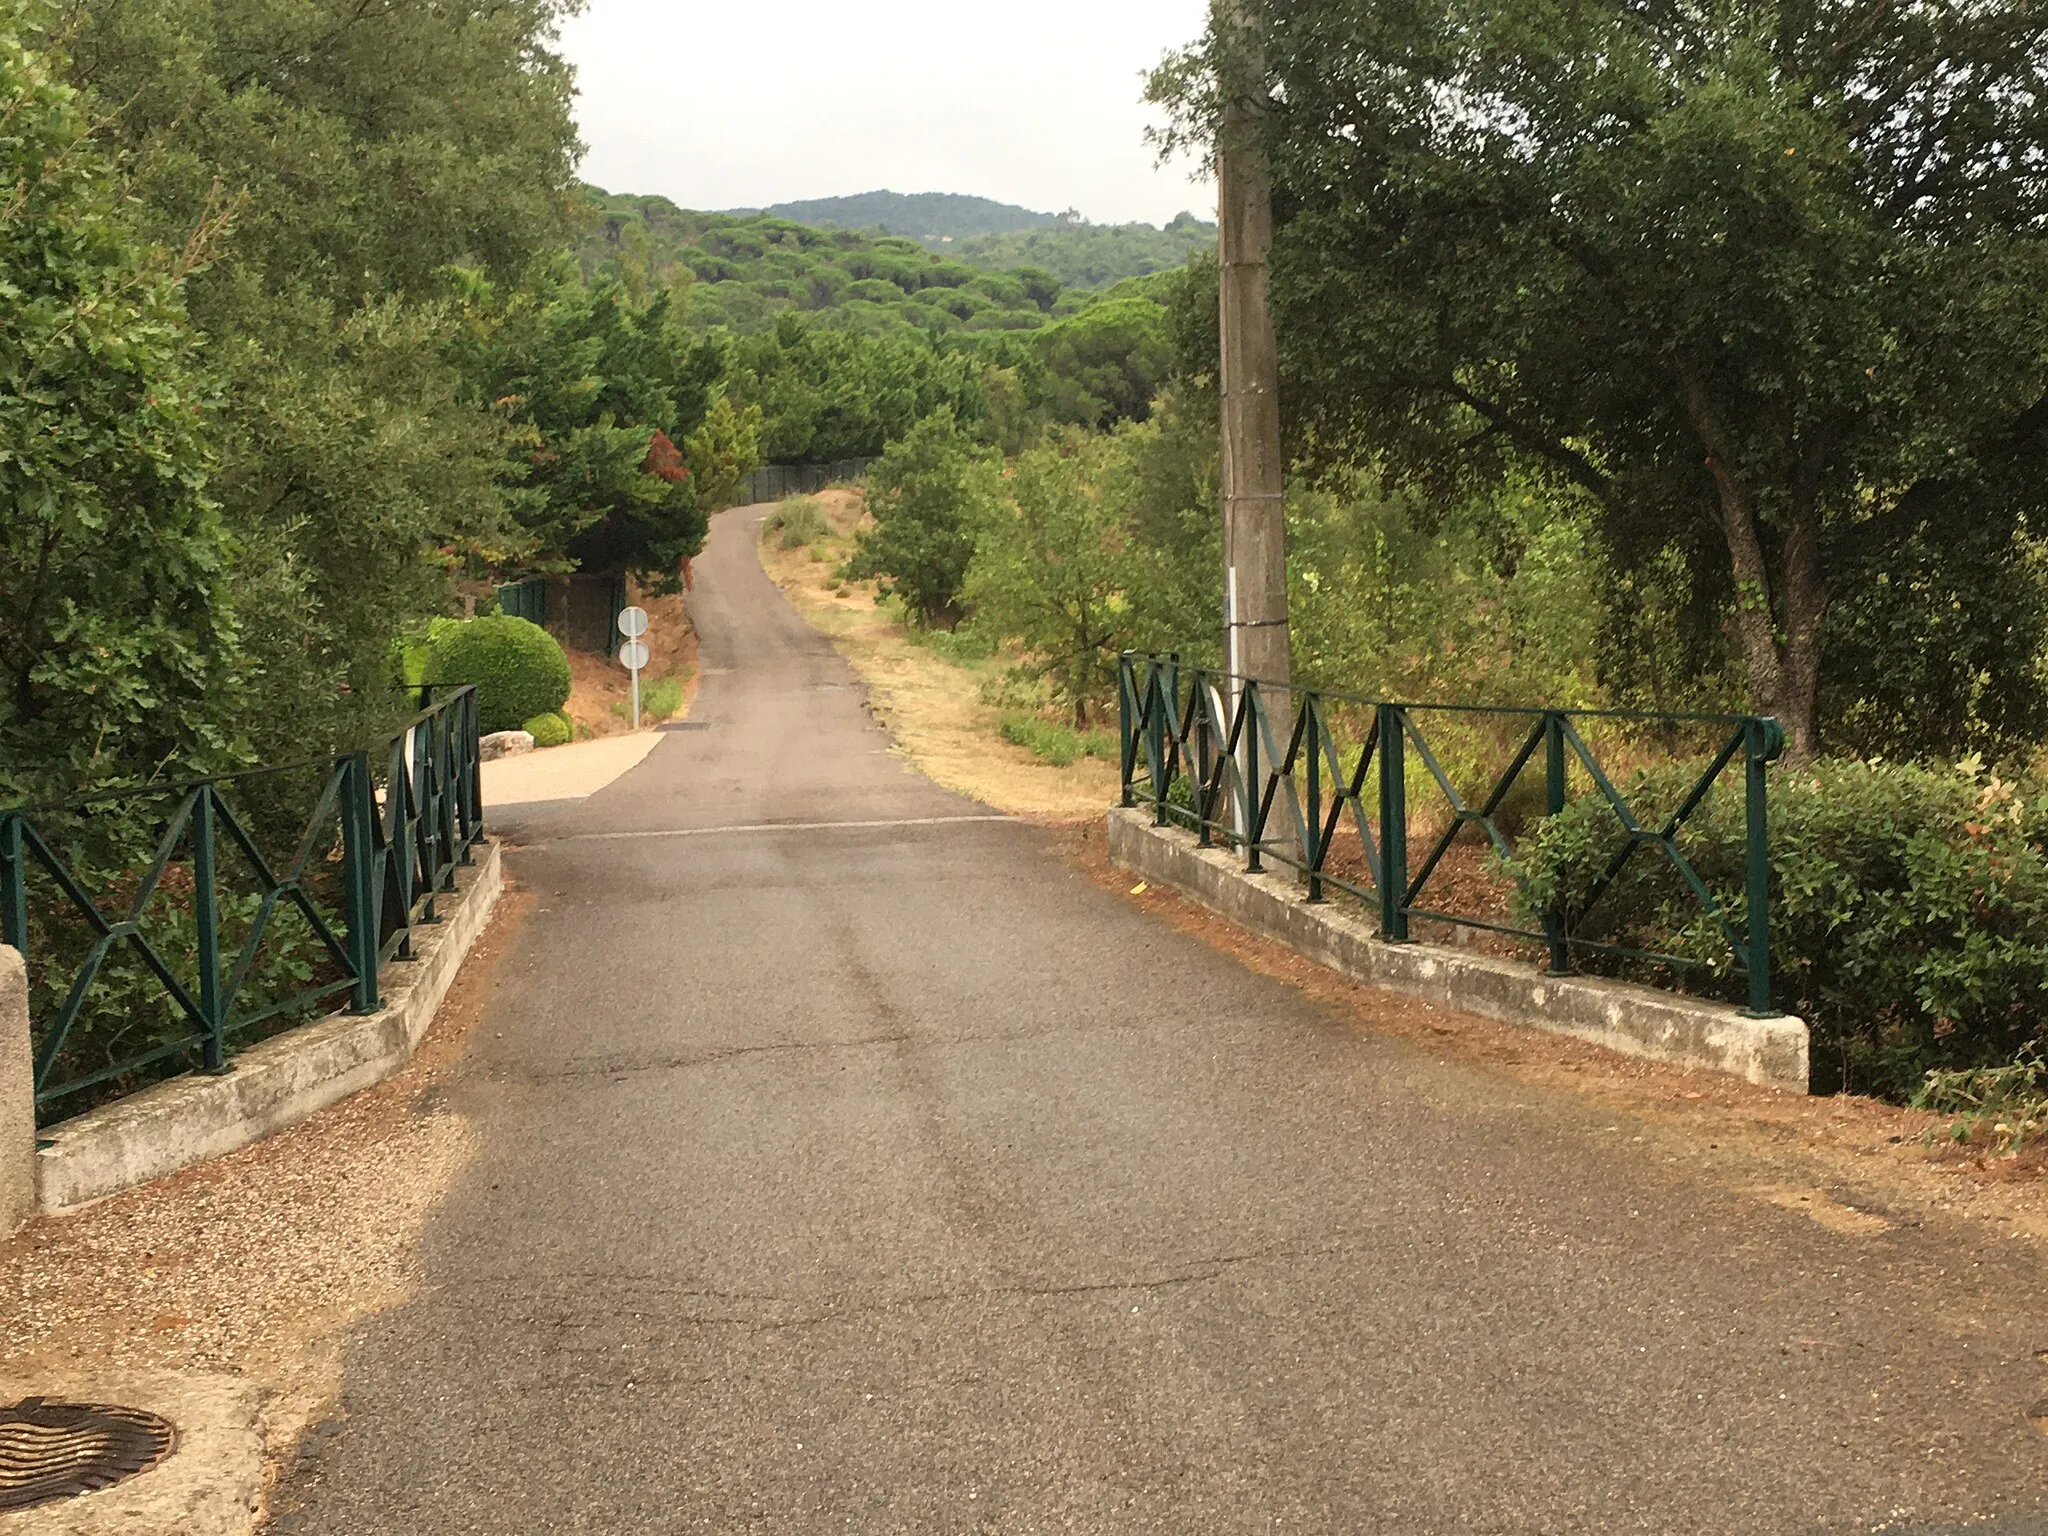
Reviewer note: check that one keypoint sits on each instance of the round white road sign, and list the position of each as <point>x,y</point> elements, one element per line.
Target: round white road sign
<point>633,654</point>
<point>633,622</point>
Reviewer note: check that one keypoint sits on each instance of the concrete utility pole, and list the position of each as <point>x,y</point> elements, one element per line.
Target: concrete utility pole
<point>1254,531</point>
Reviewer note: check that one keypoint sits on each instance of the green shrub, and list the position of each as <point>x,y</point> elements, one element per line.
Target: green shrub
<point>798,521</point>
<point>1059,745</point>
<point>550,730</point>
<point>517,667</point>
<point>964,645</point>
<point>1909,908</point>
<point>662,700</point>
<point>2010,1102</point>
<point>929,493</point>
<point>658,701</point>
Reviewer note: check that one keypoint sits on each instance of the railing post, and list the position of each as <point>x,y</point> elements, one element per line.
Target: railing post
<point>1252,797</point>
<point>1393,825</point>
<point>358,874</point>
<point>1155,737</point>
<point>400,836</point>
<point>1127,746</point>
<point>426,778</point>
<point>1204,752</point>
<point>1553,801</point>
<point>17,1093</point>
<point>1761,744</point>
<point>1312,736</point>
<point>461,755</point>
<point>206,913</point>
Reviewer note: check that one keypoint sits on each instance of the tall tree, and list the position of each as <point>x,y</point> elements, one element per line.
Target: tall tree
<point>598,390</point>
<point>1762,279</point>
<point>1054,564</point>
<point>118,646</point>
<point>362,149</point>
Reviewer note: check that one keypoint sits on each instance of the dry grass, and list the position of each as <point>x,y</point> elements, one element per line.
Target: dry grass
<point>931,704</point>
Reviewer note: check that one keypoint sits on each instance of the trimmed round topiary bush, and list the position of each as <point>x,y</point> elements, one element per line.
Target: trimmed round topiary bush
<point>518,669</point>
<point>551,730</point>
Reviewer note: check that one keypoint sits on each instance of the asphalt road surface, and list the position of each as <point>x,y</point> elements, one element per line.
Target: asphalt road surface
<point>851,1164</point>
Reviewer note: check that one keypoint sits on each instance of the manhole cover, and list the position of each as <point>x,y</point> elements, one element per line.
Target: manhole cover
<point>51,1450</point>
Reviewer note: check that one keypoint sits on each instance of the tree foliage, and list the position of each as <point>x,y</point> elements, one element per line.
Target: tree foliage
<point>1105,364</point>
<point>834,394</point>
<point>118,642</point>
<point>744,271</point>
<point>930,495</point>
<point>1052,567</point>
<point>1760,281</point>
<point>723,451</point>
<point>597,391</point>
<point>357,152</point>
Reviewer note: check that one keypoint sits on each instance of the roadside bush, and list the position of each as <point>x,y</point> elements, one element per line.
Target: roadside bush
<point>662,700</point>
<point>930,495</point>
<point>658,701</point>
<point>1909,908</point>
<point>1056,744</point>
<point>518,668</point>
<point>963,646</point>
<point>2006,1106</point>
<point>550,730</point>
<point>798,521</point>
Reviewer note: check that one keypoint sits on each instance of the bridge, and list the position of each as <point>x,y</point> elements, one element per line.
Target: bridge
<point>850,1159</point>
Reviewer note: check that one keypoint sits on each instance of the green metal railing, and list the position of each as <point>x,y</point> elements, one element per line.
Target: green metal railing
<point>526,599</point>
<point>388,829</point>
<point>1207,738</point>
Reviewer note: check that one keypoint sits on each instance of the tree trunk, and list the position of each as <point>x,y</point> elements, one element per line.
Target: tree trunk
<point>1777,615</point>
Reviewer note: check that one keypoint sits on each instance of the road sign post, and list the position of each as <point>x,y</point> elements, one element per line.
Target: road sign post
<point>633,655</point>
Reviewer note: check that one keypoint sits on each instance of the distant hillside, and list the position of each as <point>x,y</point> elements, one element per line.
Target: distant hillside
<point>1091,255</point>
<point>743,270</point>
<point>929,216</point>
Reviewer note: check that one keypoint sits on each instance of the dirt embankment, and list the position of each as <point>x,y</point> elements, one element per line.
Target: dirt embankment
<point>600,690</point>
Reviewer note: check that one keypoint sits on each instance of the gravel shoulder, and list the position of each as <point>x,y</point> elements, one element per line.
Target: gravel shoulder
<point>223,1292</point>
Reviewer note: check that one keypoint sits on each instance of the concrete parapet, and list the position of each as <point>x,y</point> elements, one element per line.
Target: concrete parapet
<point>1639,1021</point>
<point>273,1084</point>
<point>17,1097</point>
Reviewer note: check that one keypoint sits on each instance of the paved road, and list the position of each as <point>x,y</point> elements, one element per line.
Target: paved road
<point>891,1178</point>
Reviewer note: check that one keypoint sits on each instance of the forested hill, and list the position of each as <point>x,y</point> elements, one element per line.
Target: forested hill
<point>742,270</point>
<point>1091,255</point>
<point>919,215</point>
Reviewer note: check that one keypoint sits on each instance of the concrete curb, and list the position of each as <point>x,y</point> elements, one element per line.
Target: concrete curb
<point>1638,1021</point>
<point>17,1098</point>
<point>276,1083</point>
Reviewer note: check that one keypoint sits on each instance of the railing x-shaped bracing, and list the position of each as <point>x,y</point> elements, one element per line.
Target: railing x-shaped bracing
<point>1199,747</point>
<point>387,832</point>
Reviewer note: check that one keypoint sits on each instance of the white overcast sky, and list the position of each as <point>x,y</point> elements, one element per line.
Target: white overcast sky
<point>752,102</point>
